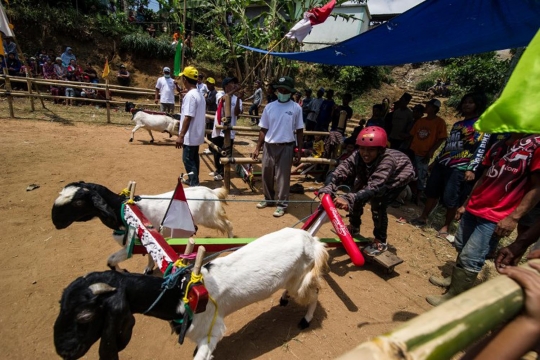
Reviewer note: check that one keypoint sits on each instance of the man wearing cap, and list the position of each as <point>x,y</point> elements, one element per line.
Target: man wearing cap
<point>192,125</point>
<point>428,133</point>
<point>165,91</point>
<point>279,120</point>
<point>402,119</point>
<point>123,76</point>
<point>211,101</point>
<point>230,87</point>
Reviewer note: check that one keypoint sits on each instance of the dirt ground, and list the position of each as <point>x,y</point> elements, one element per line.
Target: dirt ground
<point>40,261</point>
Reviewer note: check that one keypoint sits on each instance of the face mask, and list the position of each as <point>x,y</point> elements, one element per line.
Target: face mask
<point>283,97</point>
<point>166,76</point>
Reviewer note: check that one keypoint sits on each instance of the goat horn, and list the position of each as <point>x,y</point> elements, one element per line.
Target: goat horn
<point>101,288</point>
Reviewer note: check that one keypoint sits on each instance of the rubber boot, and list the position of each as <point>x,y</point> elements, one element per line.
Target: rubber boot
<point>462,280</point>
<point>440,281</point>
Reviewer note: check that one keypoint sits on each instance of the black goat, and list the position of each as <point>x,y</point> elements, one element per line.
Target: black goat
<point>101,305</point>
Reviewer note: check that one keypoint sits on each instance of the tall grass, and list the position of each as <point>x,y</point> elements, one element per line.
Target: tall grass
<point>146,46</point>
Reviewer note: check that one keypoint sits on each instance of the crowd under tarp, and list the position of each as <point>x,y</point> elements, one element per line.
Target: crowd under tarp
<point>434,30</point>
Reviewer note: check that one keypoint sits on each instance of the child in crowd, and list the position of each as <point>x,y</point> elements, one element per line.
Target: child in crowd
<point>375,174</point>
<point>316,151</point>
<point>447,180</point>
<point>345,101</point>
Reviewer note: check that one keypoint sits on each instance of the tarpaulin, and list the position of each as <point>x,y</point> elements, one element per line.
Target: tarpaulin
<point>434,30</point>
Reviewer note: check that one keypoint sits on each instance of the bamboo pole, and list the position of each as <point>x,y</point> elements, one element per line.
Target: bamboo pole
<point>107,97</point>
<point>8,92</point>
<point>214,147</point>
<point>257,129</point>
<point>310,160</point>
<point>227,143</point>
<point>449,328</point>
<point>29,86</point>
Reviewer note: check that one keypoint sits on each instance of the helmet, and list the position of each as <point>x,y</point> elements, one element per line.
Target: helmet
<point>372,136</point>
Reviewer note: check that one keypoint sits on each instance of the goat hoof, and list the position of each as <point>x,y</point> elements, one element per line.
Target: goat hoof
<point>130,140</point>
<point>195,351</point>
<point>283,302</point>
<point>303,324</point>
<point>148,271</point>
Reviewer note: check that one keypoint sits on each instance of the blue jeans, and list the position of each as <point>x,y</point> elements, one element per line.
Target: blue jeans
<point>475,238</point>
<point>190,157</point>
<point>422,171</point>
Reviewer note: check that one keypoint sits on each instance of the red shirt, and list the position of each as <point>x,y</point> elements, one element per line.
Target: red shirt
<point>507,179</point>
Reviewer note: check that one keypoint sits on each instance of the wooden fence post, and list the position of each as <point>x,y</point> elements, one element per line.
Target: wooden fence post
<point>9,97</point>
<point>107,97</point>
<point>29,85</point>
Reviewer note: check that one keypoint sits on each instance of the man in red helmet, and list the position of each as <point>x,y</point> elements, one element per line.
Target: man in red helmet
<point>375,174</point>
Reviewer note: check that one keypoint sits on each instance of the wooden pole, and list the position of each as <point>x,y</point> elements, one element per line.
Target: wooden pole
<point>310,160</point>
<point>107,97</point>
<point>451,327</point>
<point>227,144</point>
<point>29,85</point>
<point>8,92</point>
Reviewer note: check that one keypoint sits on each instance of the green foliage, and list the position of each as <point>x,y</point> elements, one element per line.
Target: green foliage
<point>208,50</point>
<point>113,25</point>
<point>430,79</point>
<point>355,79</point>
<point>58,19</point>
<point>146,46</point>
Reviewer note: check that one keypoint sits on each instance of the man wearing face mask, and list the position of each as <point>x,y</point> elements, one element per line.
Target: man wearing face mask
<point>165,91</point>
<point>279,121</point>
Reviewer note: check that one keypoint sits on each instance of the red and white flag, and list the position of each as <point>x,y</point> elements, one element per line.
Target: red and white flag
<point>178,217</point>
<point>312,17</point>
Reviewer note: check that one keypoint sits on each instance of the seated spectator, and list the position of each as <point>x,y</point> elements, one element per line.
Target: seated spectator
<point>349,145</point>
<point>67,56</point>
<point>88,92</point>
<point>151,30</point>
<point>41,57</point>
<point>377,118</point>
<point>316,151</point>
<point>10,47</point>
<point>74,71</point>
<point>51,55</point>
<point>13,65</point>
<point>345,101</point>
<point>91,73</point>
<point>48,69</point>
<point>69,91</point>
<point>2,64</point>
<point>313,111</point>
<point>33,66</point>
<point>123,77</point>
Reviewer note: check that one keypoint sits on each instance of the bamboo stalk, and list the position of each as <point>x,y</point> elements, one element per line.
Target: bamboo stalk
<point>29,86</point>
<point>257,129</point>
<point>449,328</point>
<point>9,95</point>
<point>199,260</point>
<point>108,104</point>
<point>215,147</point>
<point>310,160</point>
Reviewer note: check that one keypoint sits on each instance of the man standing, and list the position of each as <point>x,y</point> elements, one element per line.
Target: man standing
<point>279,120</point>
<point>201,86</point>
<point>401,121</point>
<point>257,101</point>
<point>165,91</point>
<point>192,124</point>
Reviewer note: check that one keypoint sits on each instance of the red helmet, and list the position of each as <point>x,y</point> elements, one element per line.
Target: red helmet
<point>372,136</point>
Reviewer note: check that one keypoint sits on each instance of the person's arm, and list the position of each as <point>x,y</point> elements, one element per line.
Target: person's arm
<point>477,158</point>
<point>156,97</point>
<point>461,210</point>
<point>531,198</point>
<point>183,131</point>
<point>523,333</point>
<point>260,142</point>
<point>434,148</point>
<point>238,106</point>
<point>511,254</point>
<point>300,144</point>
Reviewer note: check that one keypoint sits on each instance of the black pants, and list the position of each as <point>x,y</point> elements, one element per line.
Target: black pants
<point>219,141</point>
<point>379,204</point>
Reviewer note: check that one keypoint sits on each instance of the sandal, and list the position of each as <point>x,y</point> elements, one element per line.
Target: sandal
<point>442,235</point>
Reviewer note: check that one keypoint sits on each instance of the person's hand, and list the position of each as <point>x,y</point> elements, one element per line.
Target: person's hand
<point>469,175</point>
<point>179,141</point>
<point>297,156</point>
<point>459,212</point>
<point>509,255</point>
<point>156,101</point>
<point>530,282</point>
<point>255,154</point>
<point>506,226</point>
<point>341,203</point>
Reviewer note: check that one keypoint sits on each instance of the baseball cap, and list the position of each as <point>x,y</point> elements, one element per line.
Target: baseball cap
<point>190,72</point>
<point>167,69</point>
<point>434,102</point>
<point>285,82</point>
<point>123,66</point>
<point>58,58</point>
<point>227,80</point>
<point>211,80</point>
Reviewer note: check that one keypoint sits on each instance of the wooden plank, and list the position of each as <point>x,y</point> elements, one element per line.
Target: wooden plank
<point>388,259</point>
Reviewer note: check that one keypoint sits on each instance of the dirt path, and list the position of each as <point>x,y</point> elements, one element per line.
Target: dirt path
<point>39,261</point>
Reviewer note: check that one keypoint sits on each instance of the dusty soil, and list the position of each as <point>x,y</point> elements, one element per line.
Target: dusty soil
<point>40,261</point>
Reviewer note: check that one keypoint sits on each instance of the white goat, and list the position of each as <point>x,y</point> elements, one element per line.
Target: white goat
<point>289,259</point>
<point>83,201</point>
<point>161,123</point>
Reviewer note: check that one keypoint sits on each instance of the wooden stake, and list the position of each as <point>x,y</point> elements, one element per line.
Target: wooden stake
<point>9,97</point>
<point>132,191</point>
<point>189,246</point>
<point>199,260</point>
<point>107,97</point>
<point>29,85</point>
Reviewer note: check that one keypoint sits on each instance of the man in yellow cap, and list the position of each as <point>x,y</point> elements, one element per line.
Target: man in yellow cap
<point>211,105</point>
<point>192,124</point>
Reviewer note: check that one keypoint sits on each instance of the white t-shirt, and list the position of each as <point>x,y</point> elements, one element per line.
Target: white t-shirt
<point>281,120</point>
<point>219,132</point>
<point>166,90</point>
<point>203,89</point>
<point>194,105</point>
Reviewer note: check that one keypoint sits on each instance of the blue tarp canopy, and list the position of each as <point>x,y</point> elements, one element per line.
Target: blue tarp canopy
<point>434,30</point>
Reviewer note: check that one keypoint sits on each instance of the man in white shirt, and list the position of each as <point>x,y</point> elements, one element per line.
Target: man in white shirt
<point>165,91</point>
<point>279,121</point>
<point>230,85</point>
<point>201,86</point>
<point>192,125</point>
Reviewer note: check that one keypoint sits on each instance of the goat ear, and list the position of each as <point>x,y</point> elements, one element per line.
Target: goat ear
<point>106,213</point>
<point>118,327</point>
<point>101,288</point>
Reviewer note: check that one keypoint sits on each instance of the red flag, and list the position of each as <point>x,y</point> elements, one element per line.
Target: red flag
<point>178,216</point>
<point>321,13</point>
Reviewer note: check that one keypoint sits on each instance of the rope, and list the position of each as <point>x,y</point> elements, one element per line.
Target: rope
<point>213,318</point>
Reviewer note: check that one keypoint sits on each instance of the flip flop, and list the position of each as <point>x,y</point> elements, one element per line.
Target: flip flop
<point>401,220</point>
<point>443,235</point>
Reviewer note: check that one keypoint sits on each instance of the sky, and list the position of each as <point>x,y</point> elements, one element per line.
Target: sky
<point>391,6</point>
